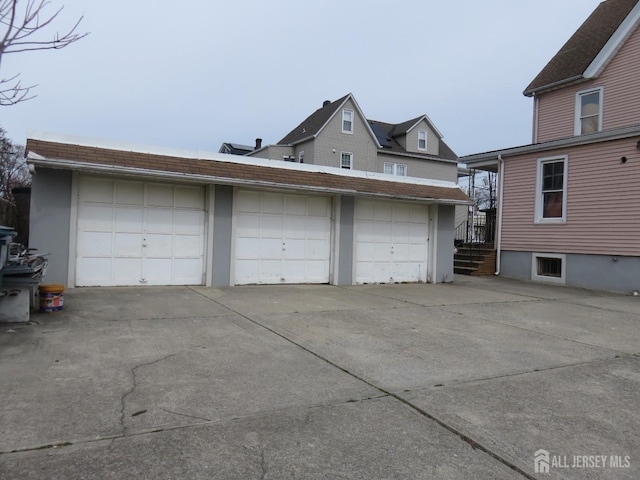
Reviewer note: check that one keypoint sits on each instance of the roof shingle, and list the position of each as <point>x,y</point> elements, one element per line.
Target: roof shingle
<point>573,59</point>
<point>217,171</point>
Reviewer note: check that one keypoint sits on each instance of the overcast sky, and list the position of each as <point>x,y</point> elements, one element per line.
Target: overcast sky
<point>194,74</point>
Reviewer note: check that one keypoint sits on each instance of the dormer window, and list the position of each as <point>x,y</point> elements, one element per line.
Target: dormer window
<point>588,111</point>
<point>347,121</point>
<point>422,139</point>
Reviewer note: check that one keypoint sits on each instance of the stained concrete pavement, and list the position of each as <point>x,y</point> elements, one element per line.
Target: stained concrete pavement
<point>467,380</point>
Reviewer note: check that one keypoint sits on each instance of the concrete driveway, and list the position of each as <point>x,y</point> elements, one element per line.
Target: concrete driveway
<point>462,381</point>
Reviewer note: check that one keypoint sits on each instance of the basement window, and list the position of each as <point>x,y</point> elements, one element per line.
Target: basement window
<point>548,267</point>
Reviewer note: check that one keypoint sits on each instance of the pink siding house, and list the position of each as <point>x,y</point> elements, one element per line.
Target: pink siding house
<point>569,209</point>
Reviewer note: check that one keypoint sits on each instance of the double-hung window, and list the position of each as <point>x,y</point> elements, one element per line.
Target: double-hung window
<point>347,121</point>
<point>346,160</point>
<point>422,139</point>
<point>551,190</point>
<point>399,169</point>
<point>588,111</point>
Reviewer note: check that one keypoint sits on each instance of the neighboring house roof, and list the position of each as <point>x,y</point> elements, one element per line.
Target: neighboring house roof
<point>93,156</point>
<point>235,149</point>
<point>388,132</point>
<point>315,123</point>
<point>591,47</point>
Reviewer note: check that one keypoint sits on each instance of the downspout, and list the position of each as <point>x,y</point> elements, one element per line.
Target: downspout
<point>500,199</point>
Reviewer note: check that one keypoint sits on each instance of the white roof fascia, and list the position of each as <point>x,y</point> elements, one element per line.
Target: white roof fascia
<point>624,31</point>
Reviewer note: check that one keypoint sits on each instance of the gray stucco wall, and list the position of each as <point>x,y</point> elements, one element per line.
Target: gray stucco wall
<point>445,233</point>
<point>49,221</point>
<point>222,235</point>
<point>345,242</point>
<point>600,272</point>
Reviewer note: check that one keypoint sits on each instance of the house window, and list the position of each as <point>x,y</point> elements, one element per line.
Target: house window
<point>347,121</point>
<point>395,169</point>
<point>548,267</point>
<point>346,160</point>
<point>422,139</point>
<point>551,190</point>
<point>589,111</point>
<point>301,157</point>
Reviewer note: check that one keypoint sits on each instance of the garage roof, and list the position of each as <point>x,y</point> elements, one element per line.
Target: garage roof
<point>96,156</point>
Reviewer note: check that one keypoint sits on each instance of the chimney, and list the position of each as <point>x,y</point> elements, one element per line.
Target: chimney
<point>325,103</point>
<point>258,143</point>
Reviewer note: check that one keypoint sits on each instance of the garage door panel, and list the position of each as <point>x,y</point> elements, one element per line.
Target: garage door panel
<point>402,213</point>
<point>366,252</point>
<point>271,226</point>
<point>127,244</point>
<point>187,271</point>
<point>382,231</point>
<point>97,190</point>
<point>128,271</point>
<point>317,228</point>
<point>383,212</point>
<point>269,248</point>
<point>95,217</point>
<point>294,227</point>
<point>189,197</point>
<point>248,225</point>
<point>187,246</point>
<point>293,271</point>
<point>96,244</point>
<point>97,269</point>
<point>188,221</point>
<point>270,271</point>
<point>294,205</point>
<point>159,195</point>
<point>273,203</point>
<point>319,207</point>
<point>159,245</point>
<point>316,250</point>
<point>158,271</point>
<point>246,248</point>
<point>128,219</point>
<point>247,271</point>
<point>249,202</point>
<point>129,193</point>
<point>418,233</point>
<point>293,248</point>
<point>159,220</point>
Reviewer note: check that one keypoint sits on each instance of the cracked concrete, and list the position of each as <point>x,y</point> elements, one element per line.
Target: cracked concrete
<point>383,381</point>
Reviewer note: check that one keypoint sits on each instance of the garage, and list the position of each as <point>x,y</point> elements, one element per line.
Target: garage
<point>282,238</point>
<point>139,233</point>
<point>392,241</point>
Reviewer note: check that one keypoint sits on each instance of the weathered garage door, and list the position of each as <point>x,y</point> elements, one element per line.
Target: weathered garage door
<point>391,241</point>
<point>134,233</point>
<point>282,238</point>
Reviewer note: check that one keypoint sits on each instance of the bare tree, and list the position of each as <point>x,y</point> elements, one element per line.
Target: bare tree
<point>23,28</point>
<point>13,173</point>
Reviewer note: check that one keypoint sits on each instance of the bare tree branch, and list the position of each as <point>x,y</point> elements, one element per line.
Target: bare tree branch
<point>12,93</point>
<point>24,22</point>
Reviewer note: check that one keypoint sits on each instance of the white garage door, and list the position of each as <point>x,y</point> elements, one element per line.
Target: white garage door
<point>282,238</point>
<point>134,233</point>
<point>391,241</point>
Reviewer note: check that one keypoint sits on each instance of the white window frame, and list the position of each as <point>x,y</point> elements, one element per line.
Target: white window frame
<point>539,209</point>
<point>545,278</point>
<point>301,156</point>
<point>350,155</point>
<point>394,169</point>
<point>345,113</point>
<point>578,109</point>
<point>421,133</point>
